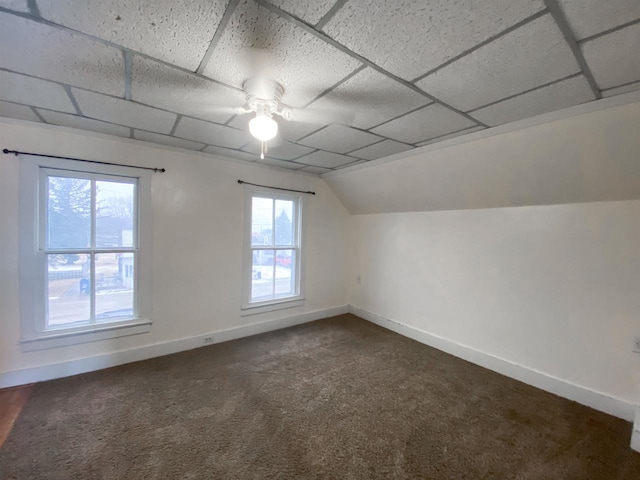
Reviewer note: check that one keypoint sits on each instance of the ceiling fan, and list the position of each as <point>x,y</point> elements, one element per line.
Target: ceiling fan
<point>264,99</point>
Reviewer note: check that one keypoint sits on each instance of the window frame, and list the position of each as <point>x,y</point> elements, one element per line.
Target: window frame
<point>35,333</point>
<point>247,306</point>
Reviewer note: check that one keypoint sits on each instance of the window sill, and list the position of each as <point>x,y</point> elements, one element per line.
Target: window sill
<point>54,339</point>
<point>271,306</point>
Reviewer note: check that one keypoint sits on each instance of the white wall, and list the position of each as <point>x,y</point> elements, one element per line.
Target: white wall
<point>552,288</point>
<point>197,239</point>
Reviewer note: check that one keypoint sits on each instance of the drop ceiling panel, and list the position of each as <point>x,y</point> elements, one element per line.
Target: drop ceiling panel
<point>122,112</point>
<point>166,140</point>
<point>12,110</point>
<point>315,170</point>
<point>228,152</point>
<point>73,121</point>
<point>162,86</point>
<point>16,5</point>
<point>614,59</point>
<point>305,65</point>
<point>56,54</point>
<point>559,95</point>
<point>451,135</point>
<point>280,163</point>
<point>411,37</point>
<point>380,150</point>
<point>428,122</point>
<point>339,139</point>
<point>620,90</point>
<point>311,11</point>
<point>176,31</point>
<point>528,57</point>
<point>211,133</point>
<point>33,91</point>
<point>367,99</point>
<point>282,151</point>
<point>590,17</point>
<point>326,159</point>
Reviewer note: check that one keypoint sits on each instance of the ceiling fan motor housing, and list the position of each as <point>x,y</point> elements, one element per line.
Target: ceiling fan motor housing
<point>264,96</point>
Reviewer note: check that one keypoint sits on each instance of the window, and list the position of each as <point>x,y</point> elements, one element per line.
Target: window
<point>81,253</point>
<point>273,255</point>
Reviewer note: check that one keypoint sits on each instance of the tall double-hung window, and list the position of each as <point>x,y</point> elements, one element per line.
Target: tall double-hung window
<point>272,250</point>
<point>83,266</point>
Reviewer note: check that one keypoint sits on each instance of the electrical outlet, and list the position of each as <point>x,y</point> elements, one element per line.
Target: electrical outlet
<point>207,340</point>
<point>359,280</point>
<point>636,345</point>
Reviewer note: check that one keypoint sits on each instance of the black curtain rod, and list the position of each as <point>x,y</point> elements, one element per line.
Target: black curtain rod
<point>6,151</point>
<point>275,188</point>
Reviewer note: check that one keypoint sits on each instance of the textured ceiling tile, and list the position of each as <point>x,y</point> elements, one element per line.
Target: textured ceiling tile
<point>211,133</point>
<point>451,135</point>
<point>339,139</point>
<point>283,151</point>
<point>73,121</point>
<point>280,163</point>
<point>123,112</point>
<point>589,17</point>
<point>166,140</point>
<point>369,98</point>
<point>162,86</point>
<point>326,159</point>
<point>614,59</point>
<point>11,110</point>
<point>60,55</point>
<point>315,170</point>
<point>311,11</point>
<point>33,91</point>
<point>16,5</point>
<point>411,37</point>
<point>554,97</point>
<point>428,122</point>
<point>228,152</point>
<point>288,130</point>
<point>380,150</point>
<point>176,31</point>
<point>530,56</point>
<point>632,87</point>
<point>305,65</point>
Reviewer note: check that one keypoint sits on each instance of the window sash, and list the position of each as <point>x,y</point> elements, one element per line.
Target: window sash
<point>250,248</point>
<point>44,250</point>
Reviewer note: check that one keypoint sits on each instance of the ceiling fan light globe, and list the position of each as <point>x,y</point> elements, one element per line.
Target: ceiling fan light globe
<point>263,127</point>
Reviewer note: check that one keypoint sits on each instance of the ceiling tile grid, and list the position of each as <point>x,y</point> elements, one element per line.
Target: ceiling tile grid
<point>591,17</point>
<point>123,112</point>
<point>176,31</point>
<point>82,123</point>
<point>21,112</point>
<point>367,78</point>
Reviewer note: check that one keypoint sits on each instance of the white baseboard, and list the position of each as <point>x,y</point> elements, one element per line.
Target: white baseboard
<point>599,401</point>
<point>98,362</point>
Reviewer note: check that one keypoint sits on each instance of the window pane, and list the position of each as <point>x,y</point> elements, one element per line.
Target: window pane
<point>285,273</point>
<point>284,222</point>
<point>68,289</point>
<point>115,214</point>
<point>114,285</point>
<point>68,212</point>
<point>261,221</point>
<point>262,275</point>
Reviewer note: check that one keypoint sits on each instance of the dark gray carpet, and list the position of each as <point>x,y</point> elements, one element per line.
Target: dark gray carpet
<point>338,398</point>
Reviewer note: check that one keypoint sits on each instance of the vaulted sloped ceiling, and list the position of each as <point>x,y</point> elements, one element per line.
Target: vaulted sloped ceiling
<point>368,78</point>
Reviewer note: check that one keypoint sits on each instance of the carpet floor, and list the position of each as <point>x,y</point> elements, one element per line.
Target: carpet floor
<point>339,398</point>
